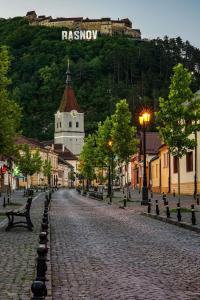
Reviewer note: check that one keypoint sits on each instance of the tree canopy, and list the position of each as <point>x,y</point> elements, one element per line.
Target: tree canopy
<point>103,71</point>
<point>10,111</point>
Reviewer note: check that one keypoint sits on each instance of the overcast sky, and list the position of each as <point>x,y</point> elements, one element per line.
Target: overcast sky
<point>155,18</point>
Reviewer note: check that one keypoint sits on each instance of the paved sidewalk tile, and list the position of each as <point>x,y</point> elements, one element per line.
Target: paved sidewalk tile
<point>17,256</point>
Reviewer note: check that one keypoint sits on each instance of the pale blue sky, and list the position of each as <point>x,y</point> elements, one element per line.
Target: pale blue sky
<point>155,18</point>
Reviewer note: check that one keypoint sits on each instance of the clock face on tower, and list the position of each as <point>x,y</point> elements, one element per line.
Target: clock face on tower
<point>73,113</point>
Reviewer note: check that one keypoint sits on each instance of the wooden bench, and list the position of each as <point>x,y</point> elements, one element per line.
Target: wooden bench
<point>24,212</point>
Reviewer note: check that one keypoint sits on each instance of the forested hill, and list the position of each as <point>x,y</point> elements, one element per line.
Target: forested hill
<point>104,71</point>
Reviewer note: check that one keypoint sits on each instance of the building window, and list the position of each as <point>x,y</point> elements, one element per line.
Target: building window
<point>175,164</point>
<point>70,124</point>
<point>77,124</point>
<point>166,160</point>
<point>189,161</point>
<point>156,170</point>
<point>60,124</point>
<point>57,125</point>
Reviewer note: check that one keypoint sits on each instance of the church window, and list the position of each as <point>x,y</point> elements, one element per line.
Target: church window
<point>77,124</point>
<point>70,124</point>
<point>57,125</point>
<point>60,124</point>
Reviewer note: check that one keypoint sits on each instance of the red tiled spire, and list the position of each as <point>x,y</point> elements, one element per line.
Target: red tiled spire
<point>69,102</point>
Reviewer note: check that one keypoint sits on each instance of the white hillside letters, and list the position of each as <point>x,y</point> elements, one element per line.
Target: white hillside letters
<point>79,35</point>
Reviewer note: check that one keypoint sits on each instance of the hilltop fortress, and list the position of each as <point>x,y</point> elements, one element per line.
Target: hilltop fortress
<point>103,25</point>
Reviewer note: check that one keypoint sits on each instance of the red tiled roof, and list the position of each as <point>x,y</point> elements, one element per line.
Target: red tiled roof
<point>21,140</point>
<point>66,154</point>
<point>69,102</point>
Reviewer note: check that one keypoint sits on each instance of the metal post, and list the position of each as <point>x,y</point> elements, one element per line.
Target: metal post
<point>179,212</point>
<point>39,290</point>
<point>144,188</point>
<point>167,210</point>
<point>193,219</point>
<point>157,208</point>
<point>149,206</point>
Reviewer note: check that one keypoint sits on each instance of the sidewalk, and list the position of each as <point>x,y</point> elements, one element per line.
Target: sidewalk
<point>18,251</point>
<point>185,204</point>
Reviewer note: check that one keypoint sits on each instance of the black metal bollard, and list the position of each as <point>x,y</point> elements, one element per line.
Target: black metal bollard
<point>193,219</point>
<point>125,200</point>
<point>179,212</point>
<point>4,201</point>
<point>164,198</point>
<point>151,194</point>
<point>149,207</point>
<point>8,199</point>
<point>167,210</point>
<point>43,237</point>
<point>198,200</point>
<point>157,208</point>
<point>44,227</point>
<point>45,220</point>
<point>45,214</point>
<point>41,262</point>
<point>39,290</point>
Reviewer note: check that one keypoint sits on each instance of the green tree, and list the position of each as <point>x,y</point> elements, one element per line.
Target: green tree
<point>176,115</point>
<point>10,112</point>
<point>29,163</point>
<point>87,159</point>
<point>123,134</point>
<point>47,168</point>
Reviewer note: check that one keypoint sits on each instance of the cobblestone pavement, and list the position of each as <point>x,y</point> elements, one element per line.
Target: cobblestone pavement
<point>186,201</point>
<point>99,251</point>
<point>17,256</point>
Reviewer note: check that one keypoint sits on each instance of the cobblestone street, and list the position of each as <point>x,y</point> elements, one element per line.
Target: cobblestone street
<point>18,253</point>
<point>99,251</point>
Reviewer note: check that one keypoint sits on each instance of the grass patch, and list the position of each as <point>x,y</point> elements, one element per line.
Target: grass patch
<point>183,210</point>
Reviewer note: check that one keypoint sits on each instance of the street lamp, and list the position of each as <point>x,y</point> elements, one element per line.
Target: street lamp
<point>144,120</point>
<point>110,171</point>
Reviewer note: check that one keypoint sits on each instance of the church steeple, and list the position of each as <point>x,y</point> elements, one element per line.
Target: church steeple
<point>69,119</point>
<point>69,75</point>
<point>69,102</point>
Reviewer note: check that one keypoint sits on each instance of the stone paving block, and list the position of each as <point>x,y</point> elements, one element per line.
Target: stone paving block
<point>101,252</point>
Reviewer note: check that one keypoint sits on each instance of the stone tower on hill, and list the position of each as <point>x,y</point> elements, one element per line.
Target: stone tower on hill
<point>69,120</point>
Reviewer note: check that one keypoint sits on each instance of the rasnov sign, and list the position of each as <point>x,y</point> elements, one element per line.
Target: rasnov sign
<point>79,35</point>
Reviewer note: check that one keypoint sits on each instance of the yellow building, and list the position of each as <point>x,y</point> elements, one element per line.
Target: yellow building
<point>164,171</point>
<point>160,171</point>
<point>187,171</point>
<point>39,179</point>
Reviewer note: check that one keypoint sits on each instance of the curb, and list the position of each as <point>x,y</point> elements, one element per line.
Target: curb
<point>173,222</point>
<point>49,271</point>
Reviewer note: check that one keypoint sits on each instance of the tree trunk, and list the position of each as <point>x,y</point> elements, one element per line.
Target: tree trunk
<point>179,200</point>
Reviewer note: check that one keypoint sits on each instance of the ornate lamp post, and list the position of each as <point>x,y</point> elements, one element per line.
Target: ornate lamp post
<point>110,171</point>
<point>144,120</point>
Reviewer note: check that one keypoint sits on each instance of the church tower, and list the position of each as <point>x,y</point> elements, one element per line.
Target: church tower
<point>69,120</point>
